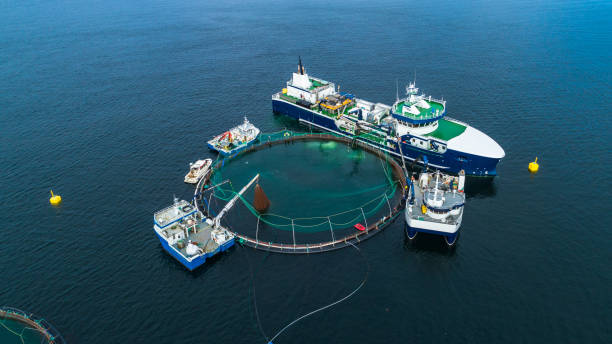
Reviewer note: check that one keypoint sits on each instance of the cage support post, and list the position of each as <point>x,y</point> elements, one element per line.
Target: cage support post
<point>364,219</point>
<point>293,230</point>
<point>257,233</point>
<point>389,204</point>
<point>332,232</point>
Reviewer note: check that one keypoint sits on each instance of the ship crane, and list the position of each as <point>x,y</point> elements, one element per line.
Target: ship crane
<point>227,135</point>
<point>230,204</point>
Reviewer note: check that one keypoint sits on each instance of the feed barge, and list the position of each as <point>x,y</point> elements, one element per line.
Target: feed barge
<point>189,236</point>
<point>417,122</point>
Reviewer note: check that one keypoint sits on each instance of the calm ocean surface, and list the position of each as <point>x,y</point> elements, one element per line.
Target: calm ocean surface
<point>106,102</point>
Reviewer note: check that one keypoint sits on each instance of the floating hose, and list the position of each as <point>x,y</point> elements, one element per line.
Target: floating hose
<point>365,279</point>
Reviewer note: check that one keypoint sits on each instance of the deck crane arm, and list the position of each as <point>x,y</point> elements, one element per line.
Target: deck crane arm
<point>230,204</point>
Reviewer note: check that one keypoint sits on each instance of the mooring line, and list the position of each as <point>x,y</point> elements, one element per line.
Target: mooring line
<point>263,333</point>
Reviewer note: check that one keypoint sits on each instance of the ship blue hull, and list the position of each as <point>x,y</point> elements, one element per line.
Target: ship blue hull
<point>233,151</point>
<point>195,263</point>
<point>411,232</point>
<point>451,161</point>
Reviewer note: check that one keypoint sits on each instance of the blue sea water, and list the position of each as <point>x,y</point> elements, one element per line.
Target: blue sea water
<point>106,102</point>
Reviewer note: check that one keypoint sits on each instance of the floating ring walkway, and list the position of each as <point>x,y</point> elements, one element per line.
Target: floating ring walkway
<point>32,322</point>
<point>395,204</point>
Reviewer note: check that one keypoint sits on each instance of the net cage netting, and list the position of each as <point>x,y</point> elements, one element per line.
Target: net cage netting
<point>325,191</point>
<point>17,326</point>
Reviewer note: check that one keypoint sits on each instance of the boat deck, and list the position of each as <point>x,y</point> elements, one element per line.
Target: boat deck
<point>447,130</point>
<point>199,235</point>
<point>424,113</point>
<point>417,214</point>
<point>315,84</point>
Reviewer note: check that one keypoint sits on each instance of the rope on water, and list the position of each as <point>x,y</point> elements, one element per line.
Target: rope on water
<point>365,279</point>
<point>254,294</point>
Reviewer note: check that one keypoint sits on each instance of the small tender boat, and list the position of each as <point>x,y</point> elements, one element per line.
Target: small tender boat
<point>197,170</point>
<point>188,235</point>
<point>235,139</point>
<point>435,205</point>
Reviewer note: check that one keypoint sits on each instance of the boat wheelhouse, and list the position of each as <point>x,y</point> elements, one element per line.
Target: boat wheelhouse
<point>416,126</point>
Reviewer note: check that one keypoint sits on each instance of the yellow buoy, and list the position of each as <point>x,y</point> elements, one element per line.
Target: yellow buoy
<point>423,209</point>
<point>284,91</point>
<point>533,166</point>
<point>55,199</point>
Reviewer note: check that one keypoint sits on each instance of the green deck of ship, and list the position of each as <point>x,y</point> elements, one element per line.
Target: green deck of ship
<point>373,137</point>
<point>447,130</point>
<point>424,113</point>
<point>315,84</point>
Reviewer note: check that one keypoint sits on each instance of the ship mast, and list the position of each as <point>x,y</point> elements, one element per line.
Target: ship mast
<point>300,66</point>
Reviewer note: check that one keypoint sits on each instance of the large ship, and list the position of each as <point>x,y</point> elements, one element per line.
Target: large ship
<point>416,126</point>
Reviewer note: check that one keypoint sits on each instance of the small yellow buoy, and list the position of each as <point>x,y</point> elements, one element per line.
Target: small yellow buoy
<point>533,166</point>
<point>55,199</point>
<point>284,91</point>
<point>423,209</point>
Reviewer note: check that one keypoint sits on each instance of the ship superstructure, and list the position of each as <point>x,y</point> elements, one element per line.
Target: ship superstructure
<point>417,122</point>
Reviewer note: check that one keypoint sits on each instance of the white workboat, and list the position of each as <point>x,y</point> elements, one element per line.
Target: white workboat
<point>197,170</point>
<point>435,205</point>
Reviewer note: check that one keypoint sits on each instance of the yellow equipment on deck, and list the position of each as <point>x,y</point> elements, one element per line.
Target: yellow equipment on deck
<point>337,106</point>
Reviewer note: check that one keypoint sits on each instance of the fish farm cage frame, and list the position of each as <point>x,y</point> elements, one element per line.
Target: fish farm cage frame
<point>395,203</point>
<point>49,333</point>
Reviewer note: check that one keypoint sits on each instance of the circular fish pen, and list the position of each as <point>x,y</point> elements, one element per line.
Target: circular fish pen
<point>17,326</point>
<point>315,192</point>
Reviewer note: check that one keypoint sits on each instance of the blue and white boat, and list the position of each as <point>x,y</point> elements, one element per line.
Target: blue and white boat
<point>435,205</point>
<point>235,139</point>
<point>189,236</point>
<point>417,122</point>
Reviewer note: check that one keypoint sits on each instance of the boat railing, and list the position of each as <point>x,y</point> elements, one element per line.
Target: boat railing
<point>439,101</point>
<point>456,120</point>
<point>164,222</point>
<point>35,322</point>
